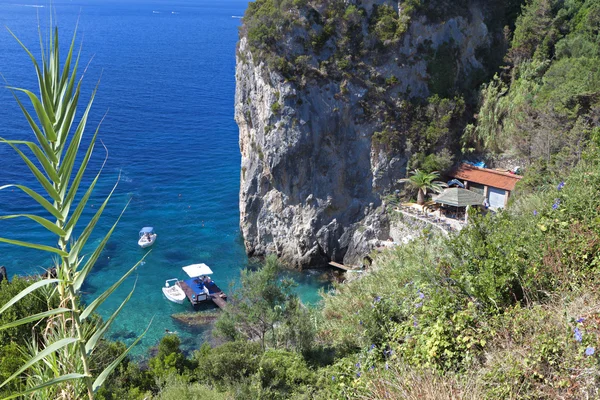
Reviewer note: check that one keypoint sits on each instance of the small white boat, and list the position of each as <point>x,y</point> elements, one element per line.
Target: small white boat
<point>147,237</point>
<point>173,292</point>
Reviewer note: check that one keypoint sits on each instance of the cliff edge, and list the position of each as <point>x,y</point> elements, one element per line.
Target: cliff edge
<point>333,101</point>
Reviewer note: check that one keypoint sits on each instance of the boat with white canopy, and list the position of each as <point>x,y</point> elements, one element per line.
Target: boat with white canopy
<point>147,237</point>
<point>198,288</point>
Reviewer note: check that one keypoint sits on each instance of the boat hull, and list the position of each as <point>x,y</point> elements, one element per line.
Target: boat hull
<point>174,294</point>
<point>144,242</point>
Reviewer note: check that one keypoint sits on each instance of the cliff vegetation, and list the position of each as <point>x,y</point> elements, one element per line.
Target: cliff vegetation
<point>506,309</point>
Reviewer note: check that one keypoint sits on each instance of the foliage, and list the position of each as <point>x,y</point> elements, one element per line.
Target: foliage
<point>443,69</point>
<point>169,360</point>
<point>262,303</point>
<point>228,364</point>
<point>283,375</point>
<point>424,181</point>
<point>59,357</point>
<point>545,105</point>
<point>177,388</point>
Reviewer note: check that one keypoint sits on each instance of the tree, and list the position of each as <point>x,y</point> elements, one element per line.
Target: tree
<point>264,308</point>
<point>424,181</point>
<point>59,360</point>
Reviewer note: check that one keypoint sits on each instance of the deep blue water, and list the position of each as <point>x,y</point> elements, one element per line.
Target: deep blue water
<point>167,82</point>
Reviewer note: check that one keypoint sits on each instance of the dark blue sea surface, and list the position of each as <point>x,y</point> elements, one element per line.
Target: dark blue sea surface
<point>166,73</point>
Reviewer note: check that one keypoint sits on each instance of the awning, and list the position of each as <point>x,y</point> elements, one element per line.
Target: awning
<point>458,197</point>
<point>147,229</point>
<point>196,270</point>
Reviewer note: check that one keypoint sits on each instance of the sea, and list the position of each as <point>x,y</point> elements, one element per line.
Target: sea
<point>167,149</point>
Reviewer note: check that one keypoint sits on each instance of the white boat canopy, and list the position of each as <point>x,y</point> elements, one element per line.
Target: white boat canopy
<point>196,270</point>
<point>146,229</point>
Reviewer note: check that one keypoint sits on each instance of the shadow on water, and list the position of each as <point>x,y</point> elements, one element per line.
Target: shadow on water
<point>88,289</point>
<point>176,257</point>
<point>110,251</point>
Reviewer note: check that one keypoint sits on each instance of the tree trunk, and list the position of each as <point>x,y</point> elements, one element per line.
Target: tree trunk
<point>421,197</point>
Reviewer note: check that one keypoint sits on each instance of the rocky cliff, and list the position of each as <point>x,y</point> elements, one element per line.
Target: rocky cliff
<point>331,104</point>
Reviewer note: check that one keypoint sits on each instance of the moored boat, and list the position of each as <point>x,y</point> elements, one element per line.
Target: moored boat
<point>173,292</point>
<point>147,237</point>
<point>199,288</point>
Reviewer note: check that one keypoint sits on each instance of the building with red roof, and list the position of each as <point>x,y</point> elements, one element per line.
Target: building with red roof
<point>494,185</point>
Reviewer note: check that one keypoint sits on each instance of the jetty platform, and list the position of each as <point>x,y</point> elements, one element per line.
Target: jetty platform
<point>217,296</point>
<point>344,267</point>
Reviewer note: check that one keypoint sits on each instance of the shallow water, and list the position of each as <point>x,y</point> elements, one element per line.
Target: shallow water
<point>167,81</point>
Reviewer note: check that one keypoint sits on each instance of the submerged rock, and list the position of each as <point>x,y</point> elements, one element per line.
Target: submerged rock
<point>195,319</point>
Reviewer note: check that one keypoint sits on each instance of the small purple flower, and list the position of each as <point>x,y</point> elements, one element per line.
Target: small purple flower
<point>387,366</point>
<point>388,353</point>
<point>561,185</point>
<point>358,374</point>
<point>419,305</point>
<point>372,368</point>
<point>360,322</point>
<point>535,213</point>
<point>590,351</point>
<point>415,322</point>
<point>580,320</point>
<point>556,204</point>
<point>421,295</point>
<point>372,347</point>
<point>333,378</point>
<point>578,336</point>
<point>357,365</point>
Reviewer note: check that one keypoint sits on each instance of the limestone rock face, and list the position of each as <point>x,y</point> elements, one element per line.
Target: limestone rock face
<point>312,176</point>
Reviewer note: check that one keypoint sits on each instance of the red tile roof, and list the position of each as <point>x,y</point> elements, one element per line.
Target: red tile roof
<point>485,176</point>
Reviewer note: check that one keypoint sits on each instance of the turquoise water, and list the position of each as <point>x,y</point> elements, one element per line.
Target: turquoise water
<point>167,82</point>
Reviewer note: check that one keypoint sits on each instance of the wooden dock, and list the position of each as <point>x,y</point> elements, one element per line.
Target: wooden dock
<point>219,299</point>
<point>216,295</point>
<point>342,266</point>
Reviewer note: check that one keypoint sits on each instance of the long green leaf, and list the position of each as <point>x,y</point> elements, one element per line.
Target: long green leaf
<point>91,344</point>
<point>35,246</point>
<point>70,156</point>
<point>35,317</point>
<point>41,201</point>
<point>52,382</point>
<point>100,299</point>
<point>67,64</point>
<point>39,154</point>
<point>85,235</point>
<point>36,130</point>
<point>80,172</point>
<point>26,291</point>
<point>79,209</point>
<point>41,113</point>
<point>33,60</point>
<point>107,371</point>
<point>67,116</point>
<point>51,226</point>
<point>39,356</point>
<point>38,174</point>
<point>83,273</point>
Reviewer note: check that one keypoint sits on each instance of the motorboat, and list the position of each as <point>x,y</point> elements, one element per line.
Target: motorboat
<point>173,291</point>
<point>147,237</point>
<point>199,281</point>
<point>199,288</point>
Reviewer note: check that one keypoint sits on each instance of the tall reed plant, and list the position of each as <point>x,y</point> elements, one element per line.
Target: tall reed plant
<point>58,364</point>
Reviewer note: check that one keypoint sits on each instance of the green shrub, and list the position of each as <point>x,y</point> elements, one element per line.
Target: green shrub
<point>282,373</point>
<point>276,107</point>
<point>169,360</point>
<point>228,364</point>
